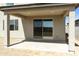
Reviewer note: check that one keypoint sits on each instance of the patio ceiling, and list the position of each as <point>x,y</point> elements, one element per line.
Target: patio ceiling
<point>37,12</point>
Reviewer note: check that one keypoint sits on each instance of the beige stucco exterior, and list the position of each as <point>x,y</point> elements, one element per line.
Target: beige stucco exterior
<point>26,22</point>
<point>26,14</point>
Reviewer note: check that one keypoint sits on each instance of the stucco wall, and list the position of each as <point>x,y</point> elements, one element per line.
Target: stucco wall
<point>1,24</point>
<point>58,30</point>
<point>15,36</point>
<point>1,28</point>
<point>77,33</point>
<point>26,28</point>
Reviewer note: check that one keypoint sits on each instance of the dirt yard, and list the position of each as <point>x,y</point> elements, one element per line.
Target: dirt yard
<point>26,52</point>
<point>19,52</point>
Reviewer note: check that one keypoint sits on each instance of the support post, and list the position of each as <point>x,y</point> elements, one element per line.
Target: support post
<point>7,32</point>
<point>71,31</point>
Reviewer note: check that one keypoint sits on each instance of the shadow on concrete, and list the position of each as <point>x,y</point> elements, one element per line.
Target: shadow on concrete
<point>17,43</point>
<point>42,41</point>
<point>46,41</point>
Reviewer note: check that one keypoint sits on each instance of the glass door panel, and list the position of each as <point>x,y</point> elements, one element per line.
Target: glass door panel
<point>47,27</point>
<point>38,28</point>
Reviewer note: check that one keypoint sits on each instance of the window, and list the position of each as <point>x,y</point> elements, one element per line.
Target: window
<point>9,4</point>
<point>13,24</point>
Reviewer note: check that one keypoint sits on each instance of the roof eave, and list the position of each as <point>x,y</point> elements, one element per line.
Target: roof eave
<point>3,8</point>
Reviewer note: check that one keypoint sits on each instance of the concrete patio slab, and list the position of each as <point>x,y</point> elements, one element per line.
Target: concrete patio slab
<point>41,46</point>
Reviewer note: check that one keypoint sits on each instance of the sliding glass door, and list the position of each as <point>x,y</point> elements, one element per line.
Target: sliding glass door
<point>43,28</point>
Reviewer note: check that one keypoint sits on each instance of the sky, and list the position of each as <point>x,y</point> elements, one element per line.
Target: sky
<point>77,13</point>
<point>77,16</point>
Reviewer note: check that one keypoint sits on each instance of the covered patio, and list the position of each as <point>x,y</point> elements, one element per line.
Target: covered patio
<point>57,12</point>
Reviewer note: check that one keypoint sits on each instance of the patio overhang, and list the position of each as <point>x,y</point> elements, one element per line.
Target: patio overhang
<point>47,9</point>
